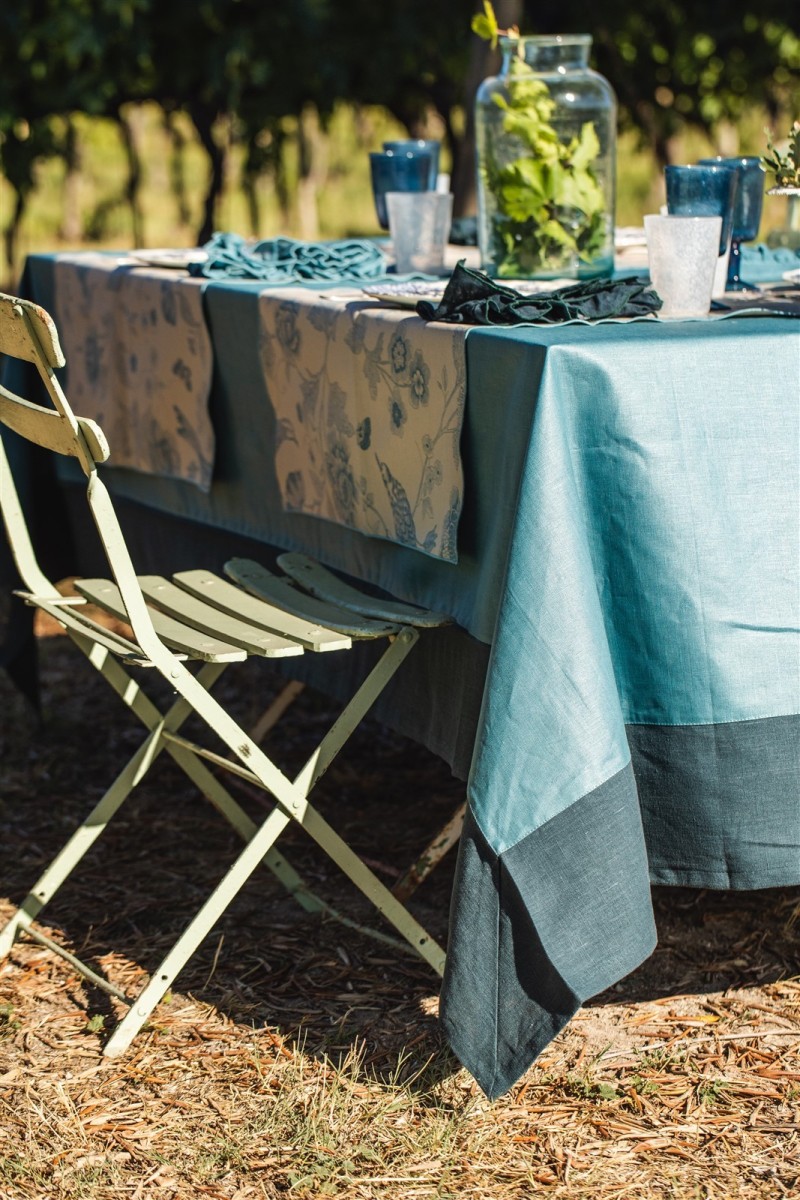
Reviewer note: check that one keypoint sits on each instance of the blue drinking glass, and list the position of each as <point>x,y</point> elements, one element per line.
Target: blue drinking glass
<point>419,146</point>
<point>746,211</point>
<point>401,172</point>
<point>703,191</point>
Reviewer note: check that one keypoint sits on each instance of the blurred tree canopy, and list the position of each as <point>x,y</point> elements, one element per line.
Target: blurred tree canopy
<point>671,64</point>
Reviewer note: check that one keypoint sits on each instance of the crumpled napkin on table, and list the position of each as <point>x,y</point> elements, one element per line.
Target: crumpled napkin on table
<point>284,260</point>
<point>472,298</point>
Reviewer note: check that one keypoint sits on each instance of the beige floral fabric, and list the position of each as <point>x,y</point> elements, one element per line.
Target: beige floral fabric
<point>139,362</point>
<point>369,404</point>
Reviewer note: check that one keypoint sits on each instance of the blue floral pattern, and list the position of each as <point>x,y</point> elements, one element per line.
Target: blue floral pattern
<point>139,363</point>
<point>369,405</point>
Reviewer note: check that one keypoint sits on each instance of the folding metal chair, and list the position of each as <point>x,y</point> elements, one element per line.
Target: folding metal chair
<point>196,617</point>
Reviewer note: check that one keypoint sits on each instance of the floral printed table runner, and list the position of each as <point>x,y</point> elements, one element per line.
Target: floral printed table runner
<point>138,362</point>
<point>369,404</point>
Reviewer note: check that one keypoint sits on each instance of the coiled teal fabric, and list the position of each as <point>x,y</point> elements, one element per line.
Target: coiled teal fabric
<point>285,260</point>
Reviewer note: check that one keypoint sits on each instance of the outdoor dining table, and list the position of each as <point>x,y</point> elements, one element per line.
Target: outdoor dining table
<point>622,682</point>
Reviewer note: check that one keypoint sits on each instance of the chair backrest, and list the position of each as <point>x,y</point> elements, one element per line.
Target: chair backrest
<point>27,332</point>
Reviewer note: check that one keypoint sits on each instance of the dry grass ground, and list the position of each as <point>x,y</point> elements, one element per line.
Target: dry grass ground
<point>301,1060</point>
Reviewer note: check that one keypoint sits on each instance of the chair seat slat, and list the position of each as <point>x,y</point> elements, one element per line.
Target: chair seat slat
<point>281,592</point>
<point>184,607</point>
<point>193,642</point>
<point>231,599</point>
<point>323,584</point>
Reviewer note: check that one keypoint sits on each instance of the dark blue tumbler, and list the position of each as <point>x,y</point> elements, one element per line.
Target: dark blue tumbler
<point>746,212</point>
<point>703,191</point>
<point>397,172</point>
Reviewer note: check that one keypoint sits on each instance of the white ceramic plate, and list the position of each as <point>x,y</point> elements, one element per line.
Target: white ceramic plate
<point>626,236</point>
<point>176,260</point>
<point>407,295</point>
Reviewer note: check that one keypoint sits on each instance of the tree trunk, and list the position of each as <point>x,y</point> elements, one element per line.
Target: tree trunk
<point>177,168</point>
<point>11,231</point>
<point>250,190</point>
<point>280,178</point>
<point>128,121</point>
<point>71,230</point>
<point>313,145</point>
<point>19,156</point>
<point>204,120</point>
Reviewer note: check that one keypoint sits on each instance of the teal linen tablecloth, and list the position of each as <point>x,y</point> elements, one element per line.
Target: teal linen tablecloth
<point>640,711</point>
<point>629,565</point>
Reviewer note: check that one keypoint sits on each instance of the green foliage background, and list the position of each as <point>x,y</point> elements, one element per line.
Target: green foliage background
<point>137,121</point>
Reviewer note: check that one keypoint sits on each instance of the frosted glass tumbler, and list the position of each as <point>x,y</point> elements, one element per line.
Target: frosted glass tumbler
<point>419,224</point>
<point>682,253</point>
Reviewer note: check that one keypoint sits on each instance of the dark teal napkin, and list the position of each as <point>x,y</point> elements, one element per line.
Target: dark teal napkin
<point>284,260</point>
<point>463,231</point>
<point>472,298</point>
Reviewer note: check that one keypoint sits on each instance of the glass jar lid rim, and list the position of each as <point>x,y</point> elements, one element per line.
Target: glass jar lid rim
<point>547,39</point>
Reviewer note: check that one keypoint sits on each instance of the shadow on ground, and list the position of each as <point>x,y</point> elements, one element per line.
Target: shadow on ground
<point>268,965</point>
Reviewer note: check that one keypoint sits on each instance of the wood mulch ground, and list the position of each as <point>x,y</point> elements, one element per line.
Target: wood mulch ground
<point>299,1059</point>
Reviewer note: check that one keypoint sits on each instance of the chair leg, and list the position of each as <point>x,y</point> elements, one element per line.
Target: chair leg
<point>235,878</point>
<point>142,706</point>
<point>357,708</point>
<point>317,764</point>
<point>132,774</point>
<point>292,802</point>
<point>368,883</point>
<point>96,822</point>
<point>430,857</point>
<point>354,712</point>
<point>81,841</point>
<point>273,713</point>
<point>286,794</point>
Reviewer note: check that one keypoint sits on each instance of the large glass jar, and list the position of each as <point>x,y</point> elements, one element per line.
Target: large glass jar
<point>546,155</point>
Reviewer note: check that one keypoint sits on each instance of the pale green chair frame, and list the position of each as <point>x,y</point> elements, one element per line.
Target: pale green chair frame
<point>196,618</point>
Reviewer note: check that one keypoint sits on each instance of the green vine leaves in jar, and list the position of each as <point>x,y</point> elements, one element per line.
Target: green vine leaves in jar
<point>546,156</point>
